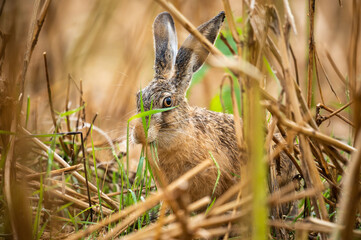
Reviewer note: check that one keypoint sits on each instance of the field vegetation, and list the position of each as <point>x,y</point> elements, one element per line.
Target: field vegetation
<point>69,72</point>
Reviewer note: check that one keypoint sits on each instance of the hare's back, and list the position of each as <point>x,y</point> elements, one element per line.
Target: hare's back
<point>219,129</point>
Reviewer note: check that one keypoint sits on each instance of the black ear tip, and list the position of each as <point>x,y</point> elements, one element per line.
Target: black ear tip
<point>221,15</point>
<point>164,16</point>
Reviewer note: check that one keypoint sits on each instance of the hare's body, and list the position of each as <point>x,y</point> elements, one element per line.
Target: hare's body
<point>208,136</point>
<point>186,136</point>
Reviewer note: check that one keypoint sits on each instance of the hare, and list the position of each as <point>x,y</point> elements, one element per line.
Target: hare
<point>186,136</point>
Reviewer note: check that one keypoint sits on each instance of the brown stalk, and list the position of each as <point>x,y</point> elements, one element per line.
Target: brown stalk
<point>263,39</point>
<point>350,195</point>
<point>230,205</point>
<point>67,109</point>
<point>353,46</point>
<point>313,179</point>
<point>284,190</point>
<point>238,200</point>
<point>232,26</point>
<point>81,103</point>
<point>290,17</point>
<point>220,220</point>
<point>326,76</point>
<point>8,184</point>
<point>237,119</point>
<point>89,129</point>
<point>288,153</point>
<point>295,65</point>
<point>312,227</point>
<point>174,229</point>
<point>276,199</point>
<point>339,110</point>
<point>231,22</point>
<point>333,112</point>
<point>270,135</point>
<point>333,158</point>
<point>33,35</point>
<point>311,49</point>
<point>2,7</point>
<point>318,82</point>
<point>54,172</point>
<point>352,62</point>
<point>52,111</point>
<point>214,232</point>
<point>160,223</point>
<point>316,151</point>
<point>225,41</point>
<point>337,70</point>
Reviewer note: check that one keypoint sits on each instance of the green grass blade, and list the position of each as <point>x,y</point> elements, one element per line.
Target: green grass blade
<point>150,112</point>
<point>96,172</point>
<point>254,135</point>
<point>218,173</point>
<point>138,175</point>
<point>210,206</point>
<point>142,110</point>
<point>27,112</point>
<point>40,233</point>
<point>7,132</point>
<point>72,111</point>
<point>38,210</point>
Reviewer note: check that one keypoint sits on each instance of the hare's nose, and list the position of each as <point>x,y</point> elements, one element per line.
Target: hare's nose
<point>139,132</point>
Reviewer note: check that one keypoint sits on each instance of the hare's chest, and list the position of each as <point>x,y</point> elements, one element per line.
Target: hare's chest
<point>175,163</point>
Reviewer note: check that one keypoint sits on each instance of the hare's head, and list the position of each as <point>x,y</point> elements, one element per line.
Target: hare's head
<point>173,72</point>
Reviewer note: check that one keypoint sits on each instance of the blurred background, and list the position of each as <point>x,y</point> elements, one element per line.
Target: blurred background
<point>108,46</point>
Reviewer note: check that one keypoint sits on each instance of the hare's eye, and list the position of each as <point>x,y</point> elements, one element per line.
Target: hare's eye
<point>167,102</point>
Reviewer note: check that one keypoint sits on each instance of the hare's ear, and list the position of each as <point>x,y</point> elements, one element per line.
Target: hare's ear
<point>165,45</point>
<point>192,54</point>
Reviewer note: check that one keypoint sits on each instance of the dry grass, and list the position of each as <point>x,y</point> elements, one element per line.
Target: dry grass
<point>68,76</point>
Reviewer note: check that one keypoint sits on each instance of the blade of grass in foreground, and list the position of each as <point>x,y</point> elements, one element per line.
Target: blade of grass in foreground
<point>27,112</point>
<point>218,173</point>
<point>70,112</point>
<point>255,142</point>
<point>96,172</point>
<point>38,210</point>
<point>254,136</point>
